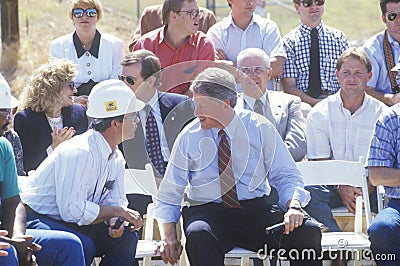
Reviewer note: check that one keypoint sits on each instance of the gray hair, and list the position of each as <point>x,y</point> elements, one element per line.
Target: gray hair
<point>216,83</point>
<point>249,52</point>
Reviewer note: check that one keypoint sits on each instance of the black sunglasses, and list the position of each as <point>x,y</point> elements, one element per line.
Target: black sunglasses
<point>71,85</point>
<point>130,80</point>
<point>308,3</point>
<point>78,12</point>
<point>392,15</point>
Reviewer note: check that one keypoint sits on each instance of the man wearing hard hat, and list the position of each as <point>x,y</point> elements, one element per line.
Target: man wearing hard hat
<point>79,188</point>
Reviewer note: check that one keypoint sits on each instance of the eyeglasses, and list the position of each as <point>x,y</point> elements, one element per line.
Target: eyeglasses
<point>131,118</point>
<point>5,113</point>
<point>78,12</point>
<point>193,13</point>
<point>308,3</point>
<point>71,85</point>
<point>129,79</point>
<point>258,70</point>
<point>392,15</point>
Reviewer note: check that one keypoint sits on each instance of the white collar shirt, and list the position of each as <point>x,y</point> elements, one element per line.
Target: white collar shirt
<point>333,132</point>
<point>72,183</point>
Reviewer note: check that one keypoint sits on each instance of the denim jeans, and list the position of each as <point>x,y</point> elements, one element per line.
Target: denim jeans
<point>384,234</point>
<point>11,259</point>
<point>94,239</point>
<point>323,199</point>
<point>57,247</point>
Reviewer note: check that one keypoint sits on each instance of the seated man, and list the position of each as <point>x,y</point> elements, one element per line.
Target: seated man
<point>182,49</point>
<point>227,167</point>
<point>281,109</point>
<point>151,19</point>
<point>163,117</point>
<point>79,187</point>
<point>340,127</point>
<point>384,169</point>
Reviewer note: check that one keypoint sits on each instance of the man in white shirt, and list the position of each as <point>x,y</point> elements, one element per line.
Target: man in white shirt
<point>243,29</point>
<point>340,127</point>
<point>79,188</point>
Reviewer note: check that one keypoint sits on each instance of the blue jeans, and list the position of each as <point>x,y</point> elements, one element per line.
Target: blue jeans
<point>94,239</point>
<point>323,198</point>
<point>11,259</point>
<point>57,247</point>
<point>384,234</point>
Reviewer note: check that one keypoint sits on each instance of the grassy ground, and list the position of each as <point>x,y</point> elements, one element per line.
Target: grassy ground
<point>43,20</point>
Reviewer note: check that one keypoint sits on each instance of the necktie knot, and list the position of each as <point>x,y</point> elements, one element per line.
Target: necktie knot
<point>314,32</point>
<point>258,107</point>
<point>222,133</point>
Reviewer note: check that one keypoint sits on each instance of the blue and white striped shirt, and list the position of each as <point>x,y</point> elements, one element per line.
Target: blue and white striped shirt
<point>384,150</point>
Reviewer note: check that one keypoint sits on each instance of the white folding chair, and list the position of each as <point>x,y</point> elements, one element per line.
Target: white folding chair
<point>138,181</point>
<point>333,172</point>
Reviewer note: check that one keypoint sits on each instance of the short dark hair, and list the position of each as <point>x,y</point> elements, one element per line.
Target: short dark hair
<point>216,83</point>
<point>171,5</point>
<point>101,124</point>
<point>150,63</point>
<point>356,53</point>
<point>383,4</point>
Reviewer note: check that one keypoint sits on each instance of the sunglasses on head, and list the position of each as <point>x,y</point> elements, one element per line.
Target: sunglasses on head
<point>308,3</point>
<point>130,80</point>
<point>391,16</point>
<point>78,12</point>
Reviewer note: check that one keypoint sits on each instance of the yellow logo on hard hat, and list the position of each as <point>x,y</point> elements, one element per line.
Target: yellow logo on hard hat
<point>111,106</point>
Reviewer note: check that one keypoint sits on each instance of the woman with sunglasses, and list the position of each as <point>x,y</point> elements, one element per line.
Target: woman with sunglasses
<point>97,54</point>
<point>49,115</point>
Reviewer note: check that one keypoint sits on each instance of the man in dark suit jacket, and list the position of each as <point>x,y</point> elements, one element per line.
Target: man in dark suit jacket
<point>141,71</point>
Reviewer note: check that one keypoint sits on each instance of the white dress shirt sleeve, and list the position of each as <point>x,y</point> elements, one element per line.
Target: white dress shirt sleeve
<point>73,187</point>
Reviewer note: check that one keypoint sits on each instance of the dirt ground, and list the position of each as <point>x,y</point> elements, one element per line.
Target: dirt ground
<point>38,26</point>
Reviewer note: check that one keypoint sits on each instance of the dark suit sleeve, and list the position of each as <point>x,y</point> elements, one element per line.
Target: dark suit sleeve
<point>33,137</point>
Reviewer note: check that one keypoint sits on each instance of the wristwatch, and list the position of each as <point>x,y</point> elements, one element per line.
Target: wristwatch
<point>295,206</point>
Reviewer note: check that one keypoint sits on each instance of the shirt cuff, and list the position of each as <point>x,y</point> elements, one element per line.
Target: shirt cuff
<point>91,212</point>
<point>49,150</point>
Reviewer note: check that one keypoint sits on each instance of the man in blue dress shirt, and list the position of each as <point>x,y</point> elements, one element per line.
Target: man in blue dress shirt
<point>384,169</point>
<point>227,184</point>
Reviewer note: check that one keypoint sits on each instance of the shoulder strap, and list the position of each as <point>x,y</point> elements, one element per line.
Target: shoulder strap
<point>387,50</point>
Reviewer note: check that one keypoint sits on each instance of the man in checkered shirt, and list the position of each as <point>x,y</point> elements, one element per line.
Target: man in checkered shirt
<point>297,44</point>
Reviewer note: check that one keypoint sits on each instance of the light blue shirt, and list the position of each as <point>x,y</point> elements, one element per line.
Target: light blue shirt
<point>374,49</point>
<point>259,159</point>
<point>384,150</point>
<point>260,33</point>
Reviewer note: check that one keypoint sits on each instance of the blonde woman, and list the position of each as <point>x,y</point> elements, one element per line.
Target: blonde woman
<point>97,54</point>
<point>49,115</point>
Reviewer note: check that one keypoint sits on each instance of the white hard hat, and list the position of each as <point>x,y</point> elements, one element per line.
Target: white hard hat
<point>112,98</point>
<point>7,101</point>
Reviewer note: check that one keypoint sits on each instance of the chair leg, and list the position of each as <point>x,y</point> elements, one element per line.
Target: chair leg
<point>245,261</point>
<point>147,261</point>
